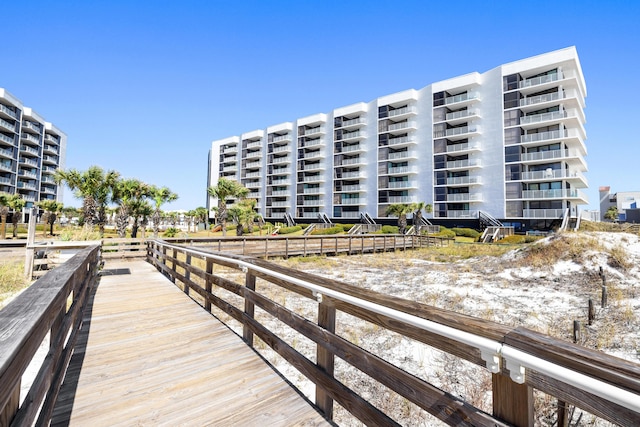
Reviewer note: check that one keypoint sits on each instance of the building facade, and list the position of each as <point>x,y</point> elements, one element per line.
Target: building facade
<point>31,150</point>
<point>508,143</point>
<point>626,202</point>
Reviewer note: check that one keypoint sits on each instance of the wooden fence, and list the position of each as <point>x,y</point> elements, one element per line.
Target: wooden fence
<point>52,306</point>
<point>520,360</point>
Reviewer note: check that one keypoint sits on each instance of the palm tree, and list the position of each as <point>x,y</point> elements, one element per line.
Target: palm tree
<point>417,214</point>
<point>51,209</point>
<point>400,210</point>
<point>95,188</point>
<point>201,215</point>
<point>129,195</point>
<point>143,212</point>
<point>244,214</point>
<point>160,195</point>
<point>4,212</point>
<point>224,190</point>
<point>17,203</point>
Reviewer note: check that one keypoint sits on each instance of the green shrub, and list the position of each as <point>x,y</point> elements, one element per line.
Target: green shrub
<point>304,226</point>
<point>347,227</point>
<point>289,230</point>
<point>332,230</point>
<point>446,233</point>
<point>390,229</point>
<point>172,232</point>
<point>466,232</point>
<point>514,239</point>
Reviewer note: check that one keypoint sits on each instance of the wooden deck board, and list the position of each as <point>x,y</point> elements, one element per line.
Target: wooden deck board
<point>151,356</point>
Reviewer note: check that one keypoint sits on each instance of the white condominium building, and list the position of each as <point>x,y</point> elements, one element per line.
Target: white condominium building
<point>508,143</point>
<point>31,149</point>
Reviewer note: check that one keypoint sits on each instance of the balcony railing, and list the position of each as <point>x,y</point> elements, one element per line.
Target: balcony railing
<point>253,144</point>
<point>285,159</point>
<point>253,175</point>
<point>281,182</point>
<point>464,213</point>
<point>351,148</point>
<point>400,140</point>
<point>549,155</point>
<point>49,169</point>
<point>314,178</point>
<point>9,126</point>
<point>311,155</point>
<point>8,112</point>
<point>462,163</point>
<point>401,184</point>
<point>356,121</point>
<point>543,136</point>
<point>351,201</point>
<point>6,166</point>
<point>281,149</point>
<point>51,148</point>
<point>535,81</point>
<point>31,138</point>
<point>313,143</point>
<point>6,139</point>
<point>280,204</point>
<point>401,125</point>
<point>357,174</point>
<point>464,197</point>
<point>352,188</point>
<point>537,118</point>
<point>401,111</point>
<point>24,172</point>
<point>401,169</point>
<point>350,215</point>
<point>312,202</point>
<point>459,98</point>
<point>229,159</point>
<point>314,190</point>
<point>465,146</point>
<point>542,213</point>
<point>253,164</point>
<point>280,193</point>
<point>352,161</point>
<point>400,199</point>
<point>312,166</point>
<point>229,169</point>
<point>279,138</point>
<point>313,131</point>
<point>564,193</point>
<point>28,161</point>
<point>27,149</point>
<point>229,149</point>
<point>351,135</point>
<point>454,132</point>
<point>463,180</point>
<point>539,99</point>
<point>7,153</point>
<point>459,114</point>
<point>253,185</point>
<point>4,180</point>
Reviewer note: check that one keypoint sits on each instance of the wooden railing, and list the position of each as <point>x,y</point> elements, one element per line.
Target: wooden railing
<point>285,246</point>
<point>519,360</point>
<point>52,306</point>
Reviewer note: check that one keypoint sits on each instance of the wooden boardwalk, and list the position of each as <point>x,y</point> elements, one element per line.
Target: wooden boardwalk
<point>149,355</point>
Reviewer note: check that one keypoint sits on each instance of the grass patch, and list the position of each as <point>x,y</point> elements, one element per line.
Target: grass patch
<point>12,279</point>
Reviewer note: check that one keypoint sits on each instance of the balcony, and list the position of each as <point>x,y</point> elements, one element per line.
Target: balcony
<point>4,180</point>
<point>351,188</point>
<point>462,164</point>
<point>563,193</point>
<point>351,148</point>
<point>542,213</point>
<point>410,109</point>
<point>254,184</point>
<point>253,144</point>
<point>280,193</point>
<point>253,175</point>
<point>278,182</point>
<point>252,154</point>
<point>400,199</point>
<point>279,160</point>
<point>312,166</point>
<point>402,155</point>
<point>352,135</point>
<point>543,136</point>
<point>229,149</point>
<point>401,126</point>
<point>30,150</point>
<point>47,180</point>
<point>464,180</point>
<point>310,214</point>
<point>459,98</point>
<point>6,166</point>
<point>540,99</point>
<point>399,170</point>
<point>352,201</point>
<point>232,168</point>
<point>6,153</point>
<point>352,122</point>
<point>313,143</point>
<point>30,138</point>
<point>312,190</point>
<point>464,197</point>
<point>536,81</point>
<point>352,161</point>
<point>47,190</point>
<point>401,140</point>
<point>464,213</point>
<point>51,138</point>
<point>50,149</point>
<point>539,118</point>
<point>350,215</point>
<point>28,161</point>
<point>456,115</point>
<point>249,165</point>
<point>280,204</point>
<point>281,149</point>
<point>453,132</point>
<point>311,155</point>
<point>30,125</point>
<point>48,169</point>
<point>26,186</point>
<point>312,178</point>
<point>549,155</point>
<point>7,126</point>
<point>312,202</point>
<point>12,114</point>
<point>356,174</point>
<point>280,138</point>
<point>6,139</point>
<point>465,146</point>
<point>230,159</point>
<point>28,173</point>
<point>552,174</point>
<point>313,131</point>
<point>401,185</point>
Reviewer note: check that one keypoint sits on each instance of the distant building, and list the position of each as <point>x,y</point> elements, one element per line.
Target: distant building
<point>31,150</point>
<point>507,143</point>
<point>626,202</point>
<point>590,215</point>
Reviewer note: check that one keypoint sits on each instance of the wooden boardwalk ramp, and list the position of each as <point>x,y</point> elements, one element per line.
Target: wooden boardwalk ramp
<point>149,355</point>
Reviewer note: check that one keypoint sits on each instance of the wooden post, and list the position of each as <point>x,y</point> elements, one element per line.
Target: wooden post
<point>286,248</point>
<point>336,246</point>
<point>249,308</point>
<point>576,331</point>
<point>187,274</point>
<point>174,254</point>
<point>9,411</point>
<point>349,245</point>
<point>31,238</point>
<point>326,359</point>
<point>321,244</point>
<point>604,297</point>
<point>563,414</point>
<point>208,285</point>
<point>512,402</point>
<point>592,311</point>
<point>244,244</point>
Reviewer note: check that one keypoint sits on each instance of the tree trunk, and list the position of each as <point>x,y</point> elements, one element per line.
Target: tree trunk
<point>14,221</point>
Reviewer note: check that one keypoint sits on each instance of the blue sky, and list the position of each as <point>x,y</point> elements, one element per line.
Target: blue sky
<point>143,87</point>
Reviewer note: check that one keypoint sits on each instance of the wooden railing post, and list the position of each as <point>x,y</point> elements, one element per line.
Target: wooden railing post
<point>187,274</point>
<point>174,254</point>
<point>326,359</point>
<point>249,308</point>
<point>11,408</point>
<point>512,402</point>
<point>208,284</point>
